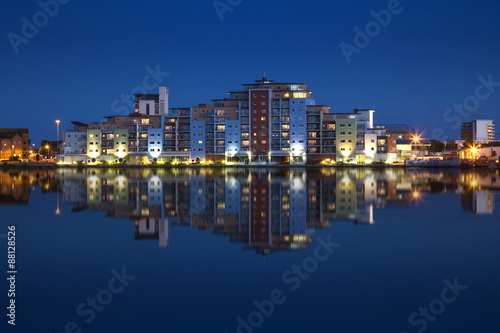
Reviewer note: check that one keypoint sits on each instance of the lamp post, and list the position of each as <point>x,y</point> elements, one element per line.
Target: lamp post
<point>13,152</point>
<point>57,122</point>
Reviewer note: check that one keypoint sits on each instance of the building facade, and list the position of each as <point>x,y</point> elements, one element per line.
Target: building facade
<point>478,131</point>
<point>263,123</point>
<point>14,142</point>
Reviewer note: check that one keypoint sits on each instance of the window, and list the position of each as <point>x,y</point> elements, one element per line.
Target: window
<point>262,103</point>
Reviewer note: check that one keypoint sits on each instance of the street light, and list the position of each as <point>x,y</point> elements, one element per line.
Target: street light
<point>57,122</point>
<point>473,151</point>
<point>416,140</point>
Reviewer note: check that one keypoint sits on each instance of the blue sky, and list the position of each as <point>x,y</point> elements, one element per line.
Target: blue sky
<point>414,69</point>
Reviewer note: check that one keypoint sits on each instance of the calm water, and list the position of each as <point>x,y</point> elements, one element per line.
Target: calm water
<point>256,250</point>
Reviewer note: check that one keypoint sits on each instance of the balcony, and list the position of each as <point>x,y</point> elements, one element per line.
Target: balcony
<point>313,112</point>
<point>313,127</point>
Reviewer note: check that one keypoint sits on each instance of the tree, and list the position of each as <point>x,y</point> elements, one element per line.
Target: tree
<point>43,151</point>
<point>436,146</point>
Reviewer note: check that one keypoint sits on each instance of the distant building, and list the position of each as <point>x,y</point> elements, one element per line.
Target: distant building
<point>478,131</point>
<point>14,142</point>
<point>399,131</point>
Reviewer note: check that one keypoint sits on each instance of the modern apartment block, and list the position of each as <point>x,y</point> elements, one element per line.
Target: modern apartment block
<point>264,123</point>
<point>478,131</point>
<point>14,142</point>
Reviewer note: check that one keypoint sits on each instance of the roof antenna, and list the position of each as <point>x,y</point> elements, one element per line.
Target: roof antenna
<point>264,74</point>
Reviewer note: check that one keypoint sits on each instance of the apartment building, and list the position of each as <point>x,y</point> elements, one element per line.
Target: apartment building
<point>478,131</point>
<point>265,122</point>
<point>14,142</point>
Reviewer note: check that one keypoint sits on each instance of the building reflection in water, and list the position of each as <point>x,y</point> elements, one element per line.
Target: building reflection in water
<point>16,185</point>
<point>264,209</point>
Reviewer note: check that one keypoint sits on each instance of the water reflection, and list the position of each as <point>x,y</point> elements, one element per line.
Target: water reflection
<point>265,209</point>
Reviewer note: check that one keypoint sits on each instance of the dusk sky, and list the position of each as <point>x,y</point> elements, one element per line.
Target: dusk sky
<point>426,59</point>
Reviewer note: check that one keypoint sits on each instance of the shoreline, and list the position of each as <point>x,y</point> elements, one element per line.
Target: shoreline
<point>218,166</point>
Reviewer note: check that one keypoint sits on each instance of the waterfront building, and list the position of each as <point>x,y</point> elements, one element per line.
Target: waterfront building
<point>478,131</point>
<point>264,123</point>
<point>14,142</point>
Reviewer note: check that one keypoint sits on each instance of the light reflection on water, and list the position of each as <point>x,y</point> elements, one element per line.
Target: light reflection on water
<point>402,233</point>
<point>263,209</point>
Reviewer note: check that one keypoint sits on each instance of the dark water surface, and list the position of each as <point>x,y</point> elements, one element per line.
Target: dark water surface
<point>256,250</point>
